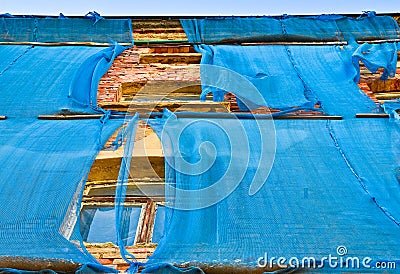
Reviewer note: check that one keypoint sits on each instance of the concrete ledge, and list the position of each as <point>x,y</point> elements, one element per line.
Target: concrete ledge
<point>387,95</point>
<point>161,89</point>
<point>170,58</point>
<point>38,264</point>
<point>148,189</point>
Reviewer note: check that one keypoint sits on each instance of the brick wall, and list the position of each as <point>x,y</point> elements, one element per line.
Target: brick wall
<point>128,69</point>
<point>108,254</point>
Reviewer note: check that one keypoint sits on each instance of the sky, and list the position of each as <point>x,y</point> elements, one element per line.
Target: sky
<point>199,7</point>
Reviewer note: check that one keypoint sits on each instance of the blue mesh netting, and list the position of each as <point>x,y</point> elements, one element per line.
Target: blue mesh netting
<point>289,28</point>
<point>121,188</point>
<point>392,108</point>
<point>330,185</point>
<point>231,29</point>
<point>269,69</point>
<point>295,76</point>
<point>59,73</point>
<point>50,30</point>
<point>288,76</point>
<point>369,26</point>
<point>375,56</point>
<point>301,182</point>
<point>372,149</point>
<point>331,77</point>
<point>45,163</point>
<point>159,222</point>
<point>264,29</point>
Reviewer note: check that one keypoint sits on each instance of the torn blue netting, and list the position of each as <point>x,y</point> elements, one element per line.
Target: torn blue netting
<point>45,163</point>
<point>94,16</point>
<point>294,76</point>
<point>392,108</point>
<point>120,191</point>
<point>93,28</point>
<point>266,68</point>
<point>322,193</point>
<point>376,56</point>
<point>89,74</point>
<point>284,77</point>
<point>44,167</point>
<point>290,28</point>
<point>330,76</point>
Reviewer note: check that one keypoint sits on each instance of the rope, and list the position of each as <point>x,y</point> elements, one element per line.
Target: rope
<point>359,179</point>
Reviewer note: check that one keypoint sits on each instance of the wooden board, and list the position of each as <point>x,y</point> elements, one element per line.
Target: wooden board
<point>70,117</point>
<point>158,106</point>
<point>372,115</point>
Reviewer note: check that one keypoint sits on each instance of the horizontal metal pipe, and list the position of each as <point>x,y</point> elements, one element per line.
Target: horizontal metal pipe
<point>199,115</point>
<point>377,41</point>
<point>222,115</point>
<point>70,117</point>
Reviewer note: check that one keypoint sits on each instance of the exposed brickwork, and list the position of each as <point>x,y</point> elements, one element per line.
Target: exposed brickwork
<point>172,49</point>
<point>127,69</point>
<point>160,36</point>
<point>376,88</point>
<point>171,58</point>
<point>377,85</point>
<point>146,30</point>
<point>108,90</point>
<point>362,84</point>
<point>108,254</point>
